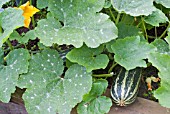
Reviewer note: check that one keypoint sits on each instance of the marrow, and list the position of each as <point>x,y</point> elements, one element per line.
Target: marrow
<point>125,87</point>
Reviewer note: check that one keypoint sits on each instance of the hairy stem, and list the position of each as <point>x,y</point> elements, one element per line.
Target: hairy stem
<point>144,28</point>
<point>156,33</point>
<point>9,44</point>
<point>163,34</point>
<point>102,75</point>
<point>0,29</point>
<point>114,19</point>
<point>33,21</point>
<point>32,18</point>
<point>117,18</point>
<point>111,68</point>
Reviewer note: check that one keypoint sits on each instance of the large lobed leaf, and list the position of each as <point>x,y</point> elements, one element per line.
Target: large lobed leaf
<point>165,3</point>
<point>47,91</point>
<point>17,63</point>
<point>91,58</point>
<point>162,63</point>
<point>10,19</point>
<point>93,102</point>
<point>156,17</point>
<point>134,7</point>
<point>81,24</point>
<point>130,52</point>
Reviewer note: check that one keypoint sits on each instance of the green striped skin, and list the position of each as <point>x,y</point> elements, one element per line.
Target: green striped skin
<point>125,87</point>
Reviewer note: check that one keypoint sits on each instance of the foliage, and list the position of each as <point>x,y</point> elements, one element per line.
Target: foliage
<point>93,102</point>
<point>91,58</point>
<point>58,58</point>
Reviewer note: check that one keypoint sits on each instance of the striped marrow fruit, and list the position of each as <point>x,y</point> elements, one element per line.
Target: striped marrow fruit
<point>125,87</point>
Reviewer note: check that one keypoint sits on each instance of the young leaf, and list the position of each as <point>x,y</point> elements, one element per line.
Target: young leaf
<point>23,39</point>
<point>130,52</point>
<point>10,19</point>
<point>134,7</point>
<point>93,102</point>
<point>17,63</point>
<point>98,88</point>
<point>47,92</point>
<point>89,57</point>
<point>82,24</point>
<point>165,3</point>
<point>161,45</point>
<point>156,17</point>
<point>162,63</point>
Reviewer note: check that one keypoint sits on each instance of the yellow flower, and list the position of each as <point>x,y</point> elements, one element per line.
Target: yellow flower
<point>29,11</point>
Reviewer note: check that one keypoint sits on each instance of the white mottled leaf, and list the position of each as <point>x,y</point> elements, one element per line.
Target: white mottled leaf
<point>17,63</point>
<point>47,91</point>
<point>80,25</point>
<point>134,7</point>
<point>10,19</point>
<point>165,3</point>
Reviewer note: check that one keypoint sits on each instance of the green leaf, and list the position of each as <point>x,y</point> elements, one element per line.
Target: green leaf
<point>94,103</point>
<point>134,7</point>
<point>130,52</point>
<point>100,105</point>
<point>165,3</point>
<point>42,4</point>
<point>15,36</point>
<point>98,88</point>
<point>30,35</point>
<point>91,58</point>
<point>47,30</point>
<point>161,45</point>
<point>17,63</point>
<point>127,30</point>
<point>47,91</point>
<point>81,24</point>
<point>162,63</point>
<point>3,2</point>
<point>156,17</point>
<point>127,20</point>
<point>10,19</point>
